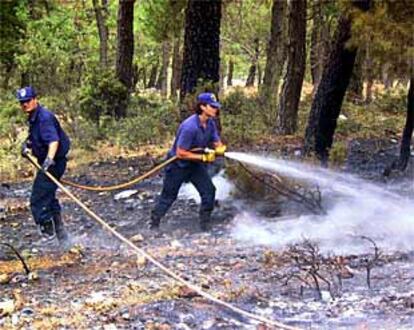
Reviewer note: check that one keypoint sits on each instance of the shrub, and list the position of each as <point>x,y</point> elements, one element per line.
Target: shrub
<point>392,101</point>
<point>241,117</point>
<point>338,153</point>
<point>100,96</point>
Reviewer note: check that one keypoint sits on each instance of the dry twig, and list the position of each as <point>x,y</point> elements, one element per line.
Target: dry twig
<point>310,199</point>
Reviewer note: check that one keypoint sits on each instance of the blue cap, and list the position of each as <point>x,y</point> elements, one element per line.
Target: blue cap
<point>208,98</point>
<point>25,94</point>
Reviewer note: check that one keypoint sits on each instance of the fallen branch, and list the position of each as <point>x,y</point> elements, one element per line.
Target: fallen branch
<point>19,256</point>
<point>311,202</point>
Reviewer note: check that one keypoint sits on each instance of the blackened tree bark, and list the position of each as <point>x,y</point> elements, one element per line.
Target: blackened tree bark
<point>408,128</point>
<point>253,67</point>
<point>327,102</point>
<point>287,117</point>
<point>125,53</point>
<point>101,13</point>
<point>274,58</point>
<point>201,57</point>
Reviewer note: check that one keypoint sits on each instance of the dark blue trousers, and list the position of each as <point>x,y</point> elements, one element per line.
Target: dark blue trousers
<point>43,201</point>
<point>175,176</point>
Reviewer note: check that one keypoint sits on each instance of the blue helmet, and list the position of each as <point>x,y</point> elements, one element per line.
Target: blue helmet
<point>25,94</point>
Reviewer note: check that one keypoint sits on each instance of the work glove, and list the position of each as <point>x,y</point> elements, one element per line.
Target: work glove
<point>47,163</point>
<point>220,150</point>
<point>208,157</point>
<point>25,148</point>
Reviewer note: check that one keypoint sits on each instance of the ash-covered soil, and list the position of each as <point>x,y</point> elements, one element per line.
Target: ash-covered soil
<point>98,283</point>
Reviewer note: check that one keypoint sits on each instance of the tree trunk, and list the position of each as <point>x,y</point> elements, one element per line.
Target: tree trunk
<point>253,67</point>
<point>386,76</point>
<point>223,70</point>
<point>162,83</point>
<point>142,76</point>
<point>125,53</point>
<point>259,74</point>
<point>101,13</point>
<point>408,128</point>
<point>319,48</point>
<point>356,84</point>
<point>153,76</point>
<point>327,102</point>
<point>369,75</point>
<point>315,40</point>
<point>33,11</point>
<point>176,67</point>
<point>296,61</point>
<point>47,7</point>
<point>201,58</point>
<point>269,90</point>
<point>230,73</point>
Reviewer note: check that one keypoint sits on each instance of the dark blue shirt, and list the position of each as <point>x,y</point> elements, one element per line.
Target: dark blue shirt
<point>191,134</point>
<point>44,128</point>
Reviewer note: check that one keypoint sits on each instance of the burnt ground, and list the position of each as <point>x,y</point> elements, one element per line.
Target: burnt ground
<point>97,283</point>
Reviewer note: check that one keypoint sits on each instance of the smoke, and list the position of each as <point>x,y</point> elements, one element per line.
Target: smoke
<point>223,189</point>
<point>359,208</point>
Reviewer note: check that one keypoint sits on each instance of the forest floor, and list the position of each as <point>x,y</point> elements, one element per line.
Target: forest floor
<point>98,283</point>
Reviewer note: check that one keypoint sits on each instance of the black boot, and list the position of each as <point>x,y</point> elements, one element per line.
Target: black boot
<point>155,221</point>
<point>205,218</point>
<point>60,230</point>
<point>47,229</point>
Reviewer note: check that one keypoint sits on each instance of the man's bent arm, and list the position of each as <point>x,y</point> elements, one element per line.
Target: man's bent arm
<point>53,147</point>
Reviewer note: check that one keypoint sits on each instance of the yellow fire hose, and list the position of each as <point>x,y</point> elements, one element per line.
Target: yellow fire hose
<point>125,184</point>
<point>154,261</point>
<point>121,185</point>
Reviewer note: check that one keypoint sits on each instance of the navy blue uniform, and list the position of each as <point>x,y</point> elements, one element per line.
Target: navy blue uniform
<point>44,128</point>
<point>190,135</point>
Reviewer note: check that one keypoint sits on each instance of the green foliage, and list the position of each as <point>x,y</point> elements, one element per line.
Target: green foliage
<point>161,19</point>
<point>10,117</point>
<point>100,94</point>
<point>338,153</point>
<point>387,30</point>
<point>243,22</point>
<point>11,32</point>
<point>48,50</point>
<point>239,118</point>
<point>392,101</point>
<point>384,114</point>
<point>149,120</point>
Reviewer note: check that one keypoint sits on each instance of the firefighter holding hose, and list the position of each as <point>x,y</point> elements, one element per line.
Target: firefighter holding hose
<point>50,145</point>
<point>196,133</point>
